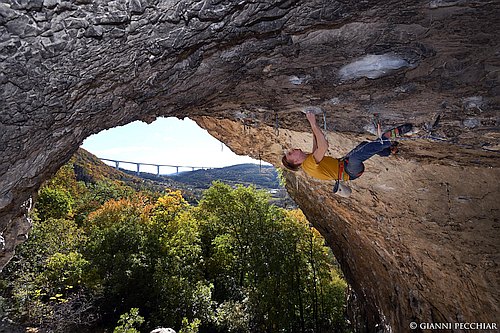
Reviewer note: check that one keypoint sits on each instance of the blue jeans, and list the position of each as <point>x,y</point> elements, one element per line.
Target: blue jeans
<point>355,158</point>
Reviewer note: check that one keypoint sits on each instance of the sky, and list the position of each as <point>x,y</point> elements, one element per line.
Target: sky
<point>168,141</point>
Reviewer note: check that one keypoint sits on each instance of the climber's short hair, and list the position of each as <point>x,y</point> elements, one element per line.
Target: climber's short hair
<point>288,165</point>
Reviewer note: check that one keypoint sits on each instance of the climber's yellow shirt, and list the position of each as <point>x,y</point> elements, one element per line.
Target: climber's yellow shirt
<point>327,169</point>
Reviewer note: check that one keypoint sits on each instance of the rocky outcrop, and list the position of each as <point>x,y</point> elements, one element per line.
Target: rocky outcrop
<point>418,240</point>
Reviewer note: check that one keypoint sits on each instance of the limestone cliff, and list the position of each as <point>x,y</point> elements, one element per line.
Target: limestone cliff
<point>418,240</point>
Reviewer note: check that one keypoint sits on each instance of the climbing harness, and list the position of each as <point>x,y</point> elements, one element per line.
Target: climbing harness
<point>342,173</point>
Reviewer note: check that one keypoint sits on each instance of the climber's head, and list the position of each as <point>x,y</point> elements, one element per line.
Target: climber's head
<point>293,159</point>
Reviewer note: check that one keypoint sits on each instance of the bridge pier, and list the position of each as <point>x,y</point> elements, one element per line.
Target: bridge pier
<point>157,170</point>
<point>138,166</point>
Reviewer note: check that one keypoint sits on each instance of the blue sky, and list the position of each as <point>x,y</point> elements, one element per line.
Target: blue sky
<point>166,141</point>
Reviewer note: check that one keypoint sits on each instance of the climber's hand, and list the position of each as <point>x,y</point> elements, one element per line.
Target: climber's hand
<point>311,117</point>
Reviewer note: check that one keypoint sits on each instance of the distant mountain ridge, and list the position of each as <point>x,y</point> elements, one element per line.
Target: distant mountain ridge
<point>265,177</point>
<point>247,174</point>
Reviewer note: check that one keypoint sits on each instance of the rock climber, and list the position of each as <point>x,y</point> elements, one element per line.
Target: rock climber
<point>350,167</point>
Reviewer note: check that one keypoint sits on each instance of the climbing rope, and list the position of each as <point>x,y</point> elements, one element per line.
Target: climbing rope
<point>260,163</point>
<point>324,119</point>
<point>276,125</point>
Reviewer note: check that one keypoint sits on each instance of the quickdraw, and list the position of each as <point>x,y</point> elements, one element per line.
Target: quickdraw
<point>377,125</point>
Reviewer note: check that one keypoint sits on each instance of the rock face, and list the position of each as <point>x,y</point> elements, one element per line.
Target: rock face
<point>418,240</point>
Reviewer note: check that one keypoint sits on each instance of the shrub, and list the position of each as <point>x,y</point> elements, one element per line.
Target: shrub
<point>54,203</point>
<point>129,321</point>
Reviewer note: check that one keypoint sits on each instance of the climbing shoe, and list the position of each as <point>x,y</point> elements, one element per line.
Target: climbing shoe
<point>398,131</point>
<point>394,148</point>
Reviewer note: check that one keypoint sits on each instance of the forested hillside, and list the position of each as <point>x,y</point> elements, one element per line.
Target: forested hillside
<point>193,183</point>
<point>111,252</point>
<point>264,176</point>
<point>89,168</point>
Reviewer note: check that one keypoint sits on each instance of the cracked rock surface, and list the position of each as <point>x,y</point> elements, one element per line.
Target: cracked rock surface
<point>418,240</point>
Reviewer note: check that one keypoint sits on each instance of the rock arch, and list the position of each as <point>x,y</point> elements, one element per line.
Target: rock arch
<point>419,239</point>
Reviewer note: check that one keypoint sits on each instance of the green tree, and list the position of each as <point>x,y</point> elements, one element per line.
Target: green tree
<point>149,256</point>
<point>65,179</point>
<point>266,261</point>
<point>54,203</point>
<point>129,321</point>
<point>183,291</point>
<point>190,327</point>
<point>235,263</point>
<point>117,251</point>
<point>63,272</point>
<point>96,194</point>
<point>44,277</point>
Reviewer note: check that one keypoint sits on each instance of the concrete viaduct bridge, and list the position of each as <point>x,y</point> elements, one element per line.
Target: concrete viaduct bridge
<point>139,164</point>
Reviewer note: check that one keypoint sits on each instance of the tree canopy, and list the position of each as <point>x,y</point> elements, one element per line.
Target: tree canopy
<point>102,254</point>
